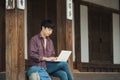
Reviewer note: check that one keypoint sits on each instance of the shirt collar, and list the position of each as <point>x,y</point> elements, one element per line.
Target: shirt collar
<point>40,37</point>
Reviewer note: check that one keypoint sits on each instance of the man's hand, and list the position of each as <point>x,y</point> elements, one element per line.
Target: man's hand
<point>49,58</point>
<point>52,58</point>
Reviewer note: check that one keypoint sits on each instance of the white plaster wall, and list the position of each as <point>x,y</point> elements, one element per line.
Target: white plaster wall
<point>107,3</point>
<point>84,33</point>
<point>73,36</point>
<point>25,31</point>
<point>116,38</point>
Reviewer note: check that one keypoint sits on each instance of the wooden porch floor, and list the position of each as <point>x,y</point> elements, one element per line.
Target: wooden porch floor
<point>86,76</point>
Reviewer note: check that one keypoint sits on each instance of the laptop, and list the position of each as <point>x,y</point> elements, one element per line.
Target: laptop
<point>63,56</point>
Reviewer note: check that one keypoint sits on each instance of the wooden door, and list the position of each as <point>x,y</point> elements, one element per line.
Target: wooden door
<point>100,36</point>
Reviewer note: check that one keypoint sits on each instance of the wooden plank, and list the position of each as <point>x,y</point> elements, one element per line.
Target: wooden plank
<point>9,39</point>
<point>61,25</point>
<point>77,34</point>
<point>2,36</point>
<point>69,41</point>
<point>21,60</point>
<point>15,45</point>
<point>64,30</point>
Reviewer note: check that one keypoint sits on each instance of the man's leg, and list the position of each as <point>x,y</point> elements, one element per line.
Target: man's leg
<point>61,74</point>
<point>56,66</point>
<point>34,76</point>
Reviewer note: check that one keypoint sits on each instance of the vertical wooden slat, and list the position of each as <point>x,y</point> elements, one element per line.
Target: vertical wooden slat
<point>21,60</point>
<point>2,35</point>
<point>77,34</point>
<point>64,30</point>
<point>69,41</point>
<point>9,42</point>
<point>61,25</point>
<point>15,64</point>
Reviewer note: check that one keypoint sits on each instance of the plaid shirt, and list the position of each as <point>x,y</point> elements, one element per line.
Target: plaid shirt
<point>37,51</point>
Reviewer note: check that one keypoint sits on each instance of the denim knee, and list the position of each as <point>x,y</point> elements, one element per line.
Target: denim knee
<point>64,64</point>
<point>61,74</point>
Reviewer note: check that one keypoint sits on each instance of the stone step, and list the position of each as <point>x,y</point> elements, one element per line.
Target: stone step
<point>97,76</point>
<point>54,78</point>
<point>86,76</point>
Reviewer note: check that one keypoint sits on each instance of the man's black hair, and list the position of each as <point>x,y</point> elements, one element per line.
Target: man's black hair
<point>48,24</point>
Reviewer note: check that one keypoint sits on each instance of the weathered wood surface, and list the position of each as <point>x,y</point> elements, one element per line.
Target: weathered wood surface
<point>69,41</point>
<point>64,30</point>
<point>15,65</point>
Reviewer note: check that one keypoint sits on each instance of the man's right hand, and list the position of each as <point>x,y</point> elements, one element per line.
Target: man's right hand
<point>49,58</point>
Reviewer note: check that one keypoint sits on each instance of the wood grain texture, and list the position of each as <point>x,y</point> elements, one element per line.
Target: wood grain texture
<point>15,45</point>
<point>69,41</point>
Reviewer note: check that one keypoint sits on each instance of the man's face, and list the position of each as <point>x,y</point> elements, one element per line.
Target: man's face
<point>47,31</point>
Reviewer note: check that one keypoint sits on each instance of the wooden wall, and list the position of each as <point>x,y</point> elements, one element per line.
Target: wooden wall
<point>54,10</point>
<point>100,38</point>
<point>2,35</point>
<point>48,9</point>
<point>38,11</point>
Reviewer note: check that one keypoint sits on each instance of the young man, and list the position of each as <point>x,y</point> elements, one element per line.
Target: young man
<point>42,53</point>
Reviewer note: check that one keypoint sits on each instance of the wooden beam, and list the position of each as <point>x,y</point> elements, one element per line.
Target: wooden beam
<point>64,30</point>
<point>89,4</point>
<point>15,63</point>
<point>2,35</point>
<point>61,25</point>
<point>69,41</point>
<point>77,34</point>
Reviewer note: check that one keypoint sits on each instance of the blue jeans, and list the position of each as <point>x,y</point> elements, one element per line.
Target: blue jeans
<point>41,72</point>
<point>59,69</point>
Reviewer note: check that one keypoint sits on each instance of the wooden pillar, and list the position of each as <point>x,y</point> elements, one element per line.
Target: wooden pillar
<point>77,33</point>
<point>64,30</point>
<point>15,63</point>
<point>69,41</point>
<point>2,35</point>
<point>61,24</point>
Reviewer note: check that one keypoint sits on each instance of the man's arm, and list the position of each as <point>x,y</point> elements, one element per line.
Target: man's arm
<point>34,51</point>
